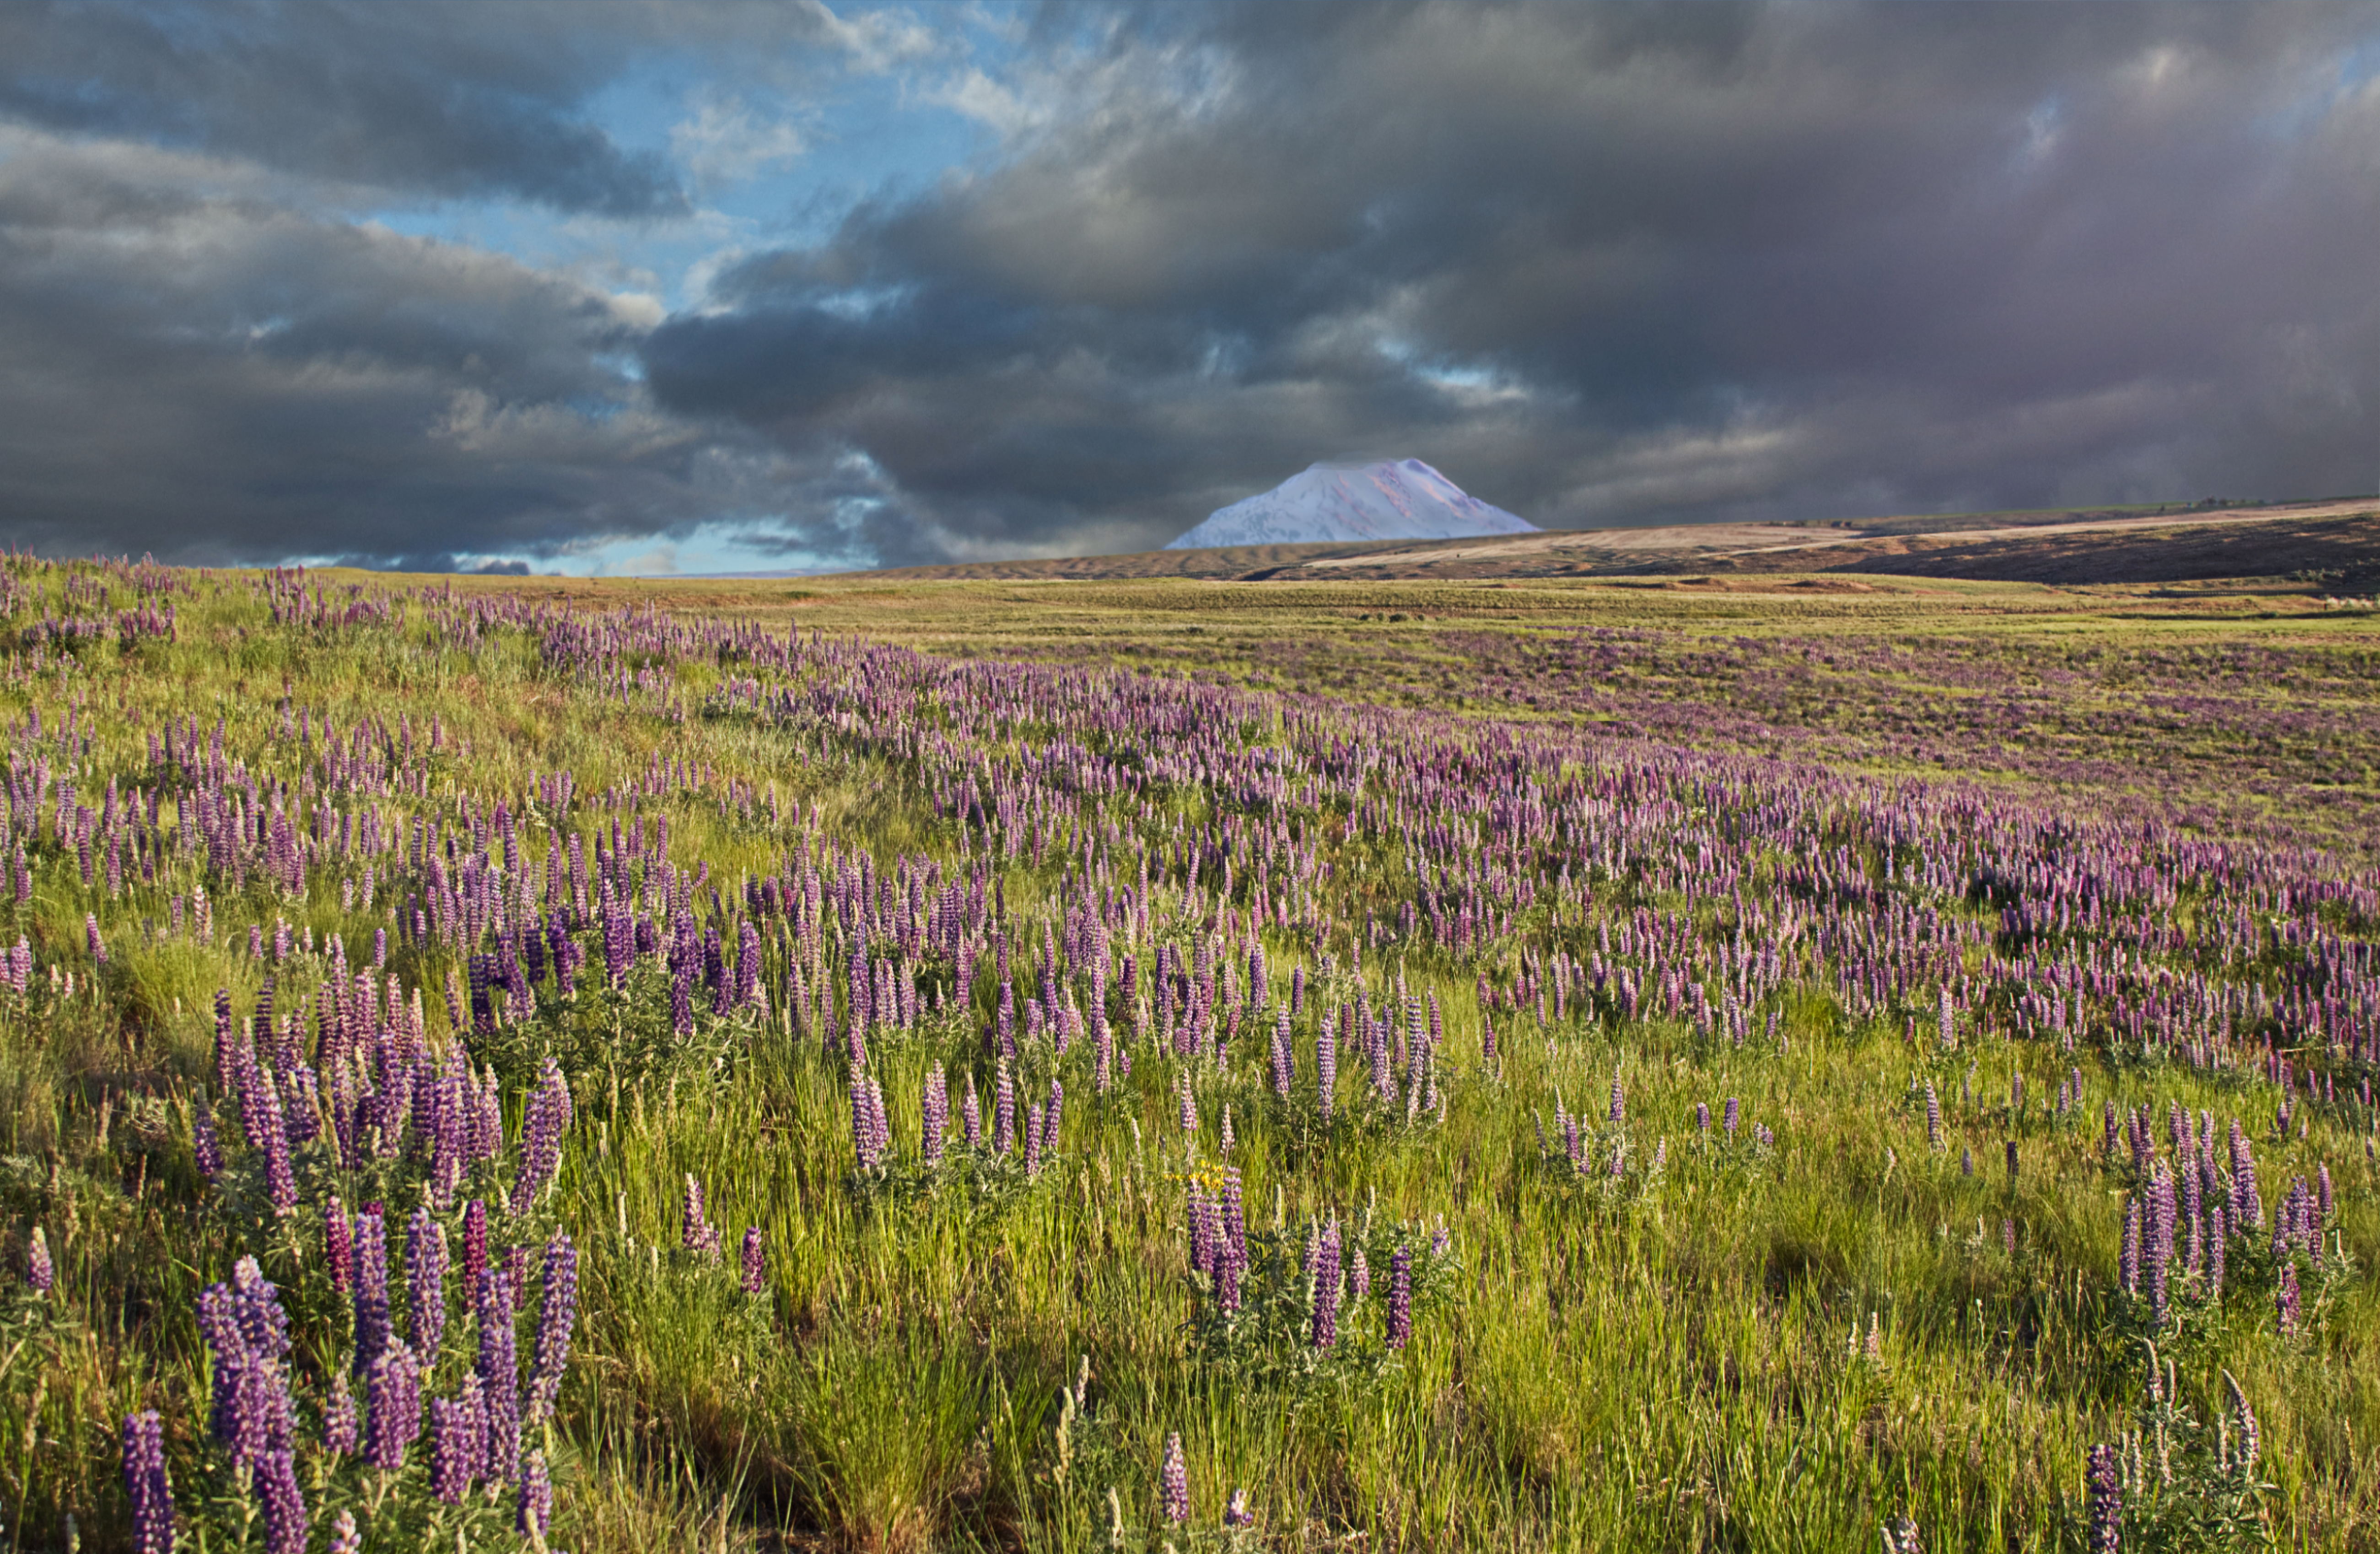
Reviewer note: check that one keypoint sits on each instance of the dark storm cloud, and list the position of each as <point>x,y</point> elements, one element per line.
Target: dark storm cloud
<point>1600,262</point>
<point>204,355</point>
<point>214,378</point>
<point>450,98</point>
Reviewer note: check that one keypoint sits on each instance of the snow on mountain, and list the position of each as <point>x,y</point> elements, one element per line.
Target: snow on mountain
<point>1403,499</point>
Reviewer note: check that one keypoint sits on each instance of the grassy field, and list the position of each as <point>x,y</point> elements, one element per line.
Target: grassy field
<point>897,1065</point>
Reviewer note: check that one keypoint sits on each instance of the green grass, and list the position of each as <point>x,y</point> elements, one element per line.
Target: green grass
<point>1684,1363</point>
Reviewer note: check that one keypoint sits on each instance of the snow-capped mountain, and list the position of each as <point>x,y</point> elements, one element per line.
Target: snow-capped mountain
<point>1403,499</point>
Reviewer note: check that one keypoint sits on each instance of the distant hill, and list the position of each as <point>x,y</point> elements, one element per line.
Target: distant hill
<point>2337,543</point>
<point>1339,504</point>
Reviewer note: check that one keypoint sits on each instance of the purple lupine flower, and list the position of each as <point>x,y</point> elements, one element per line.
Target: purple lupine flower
<point>1174,1482</point>
<point>1728,1116</point>
<point>475,1249</point>
<point>91,933</point>
<point>284,1503</point>
<point>1400,1317</point>
<point>535,1514</point>
<point>346,1536</point>
<point>2286,1300</point>
<point>391,1407</point>
<point>541,1130</point>
<point>756,1266</point>
<point>372,1333</point>
<point>338,1246</point>
<point>500,1379</point>
<point>342,1425</point>
<point>934,1108</point>
<point>2246,1205</point>
<point>1281,1060</point>
<point>425,1285</point>
<point>696,1233</point>
<point>39,1271</point>
<point>557,1316</point>
<point>206,1150</point>
<point>1236,1513</point>
<point>145,1484</point>
<point>2219,1232</point>
<point>280,1178</point>
<point>1325,1329</point>
<point>2107,1513</point>
<point>2011,1162</point>
<point>458,1442</point>
<point>1619,1101</point>
<point>515,1271</point>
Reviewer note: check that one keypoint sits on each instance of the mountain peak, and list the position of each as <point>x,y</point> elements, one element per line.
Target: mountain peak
<point>1342,504</point>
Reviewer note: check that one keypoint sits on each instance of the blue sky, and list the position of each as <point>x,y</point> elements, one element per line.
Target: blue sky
<point>596,286</point>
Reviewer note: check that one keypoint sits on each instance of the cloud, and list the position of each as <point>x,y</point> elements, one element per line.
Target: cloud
<point>1599,263</point>
<point>724,143</point>
<point>213,378</point>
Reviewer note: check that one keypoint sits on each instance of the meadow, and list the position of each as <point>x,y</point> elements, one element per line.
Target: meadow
<point>1668,1064</point>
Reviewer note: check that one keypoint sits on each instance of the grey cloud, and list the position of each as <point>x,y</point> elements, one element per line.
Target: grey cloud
<point>1671,262</point>
<point>218,379</point>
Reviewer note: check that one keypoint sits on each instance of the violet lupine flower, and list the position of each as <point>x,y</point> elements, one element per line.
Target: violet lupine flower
<point>756,1262</point>
<point>1619,1102</point>
<point>865,1144</point>
<point>145,1484</point>
<point>1400,1317</point>
<point>1326,1070</point>
<point>342,1424</point>
<point>391,1407</point>
<point>206,1150</point>
<point>557,1316</point>
<point>475,1249</point>
<point>284,1503</point>
<point>500,1379</point>
<point>1730,1114</point>
<point>1174,1482</point>
<point>39,1271</point>
<point>2107,1513</point>
<point>934,1120</point>
<point>458,1442</point>
<point>373,1333</point>
<point>541,1146</point>
<point>696,1233</point>
<point>280,1178</point>
<point>338,1246</point>
<point>1326,1289</point>
<point>1004,1108</point>
<point>346,1536</point>
<point>1281,1060</point>
<point>425,1284</point>
<point>1237,1515</point>
<point>2286,1300</point>
<point>91,933</point>
<point>2011,1162</point>
<point>535,1514</point>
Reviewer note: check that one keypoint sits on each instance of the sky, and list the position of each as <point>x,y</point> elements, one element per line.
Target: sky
<point>684,287</point>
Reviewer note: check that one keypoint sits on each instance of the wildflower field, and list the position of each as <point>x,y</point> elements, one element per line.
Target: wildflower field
<point>753,1066</point>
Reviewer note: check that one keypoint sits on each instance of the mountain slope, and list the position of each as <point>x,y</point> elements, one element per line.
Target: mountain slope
<point>1337,504</point>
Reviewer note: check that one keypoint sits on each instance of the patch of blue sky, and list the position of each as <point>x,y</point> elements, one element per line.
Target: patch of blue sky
<point>771,153</point>
<point>2327,92</point>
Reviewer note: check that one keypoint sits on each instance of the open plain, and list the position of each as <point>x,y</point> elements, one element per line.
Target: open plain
<point>1776,1062</point>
